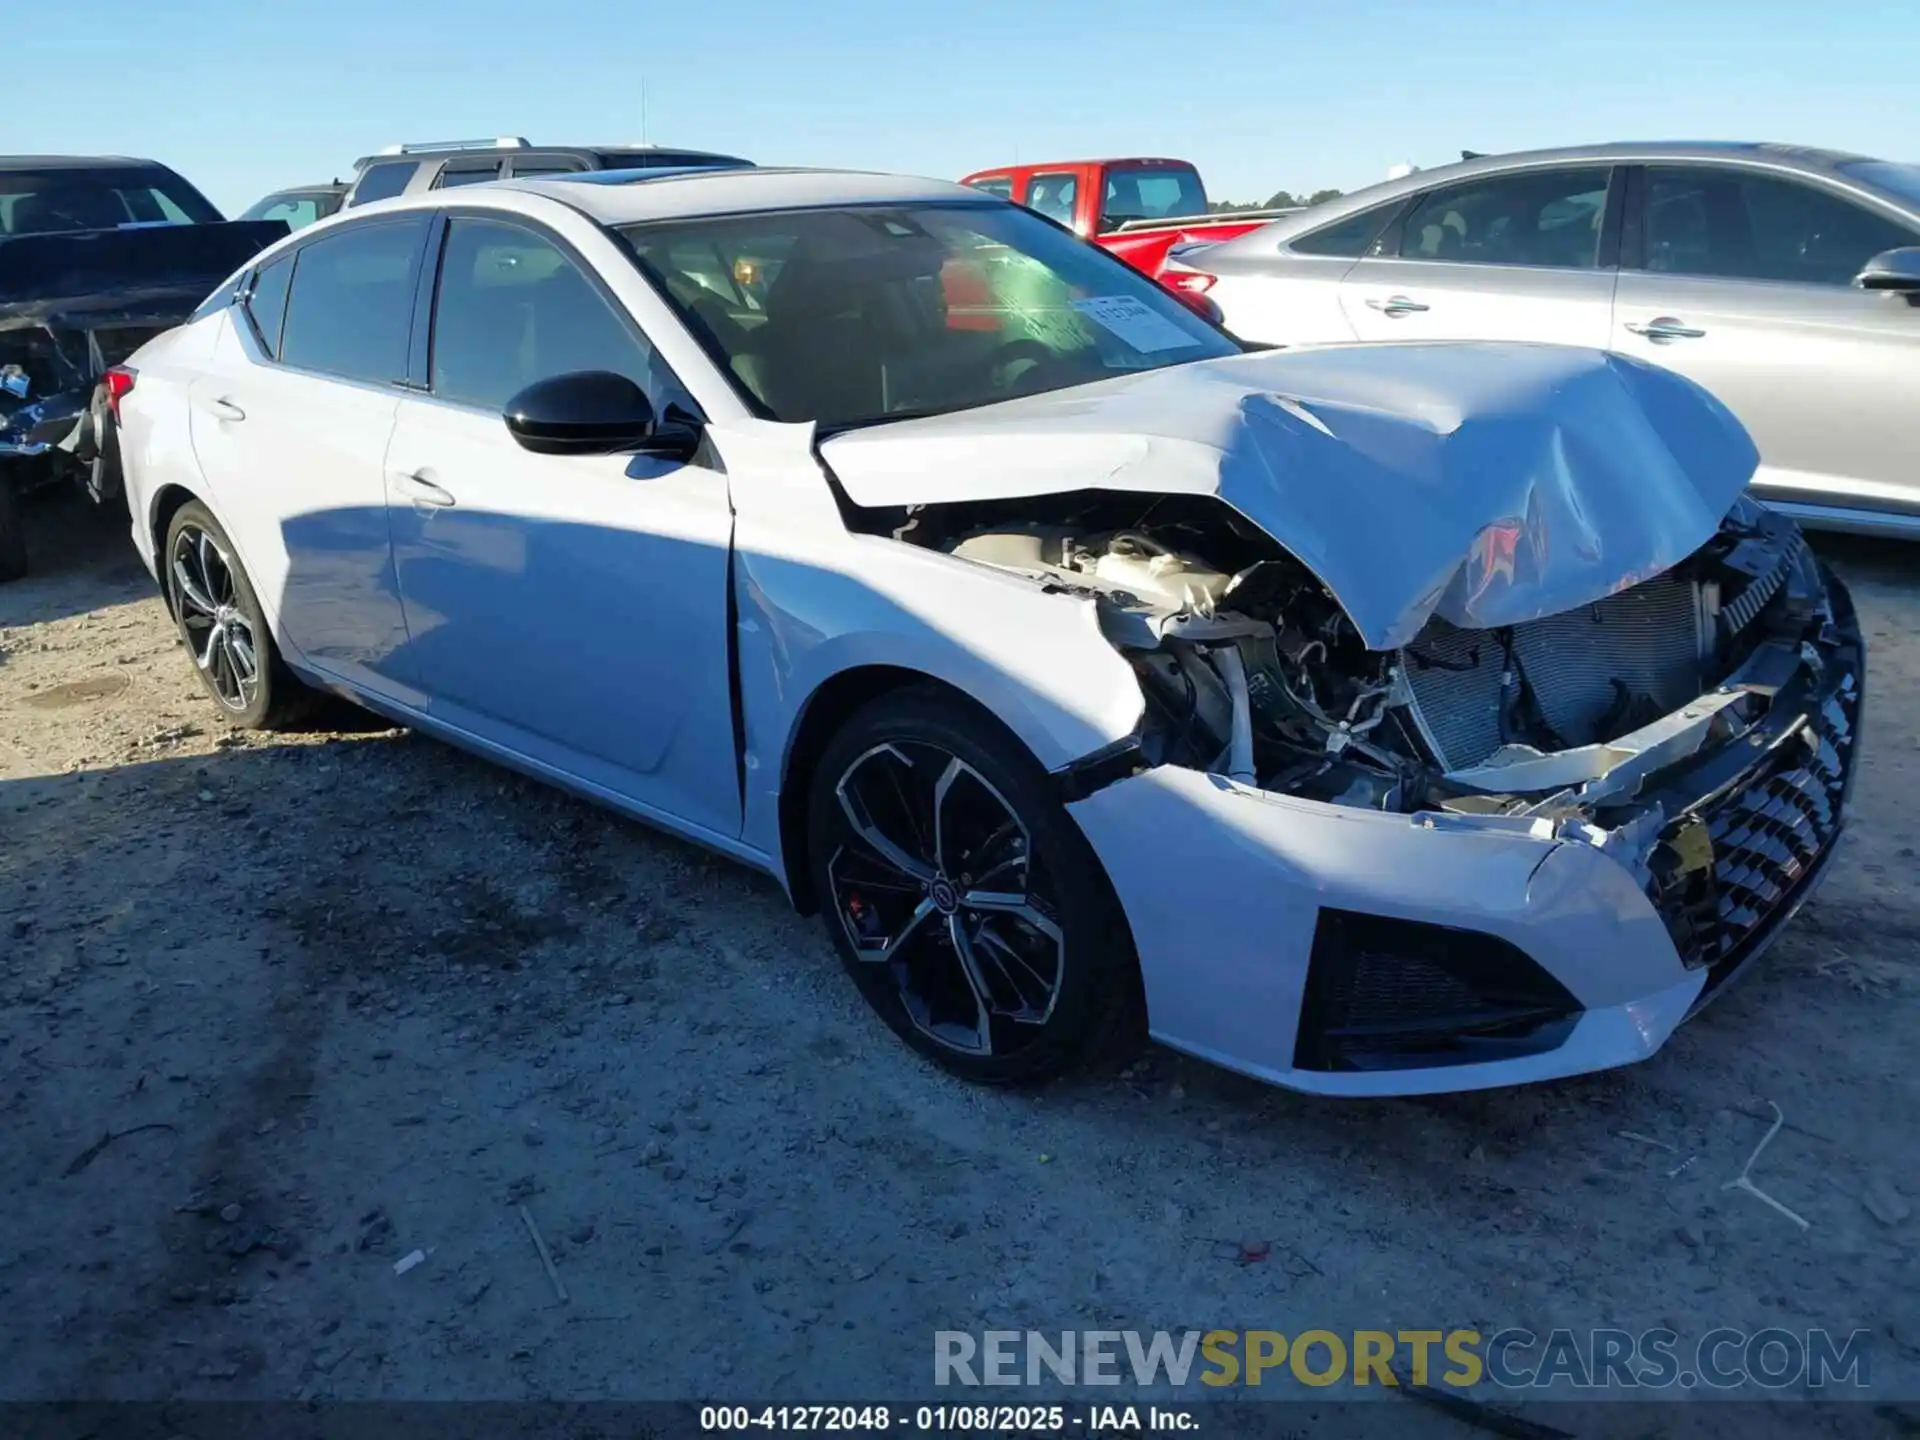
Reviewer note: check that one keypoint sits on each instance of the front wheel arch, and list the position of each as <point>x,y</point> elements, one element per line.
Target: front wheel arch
<point>837,700</point>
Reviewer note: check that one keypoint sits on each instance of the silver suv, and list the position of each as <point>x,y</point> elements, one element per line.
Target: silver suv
<point>442,164</point>
<point>1785,280</point>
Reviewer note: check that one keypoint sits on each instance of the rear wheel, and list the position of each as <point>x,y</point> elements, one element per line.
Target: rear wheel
<point>963,900</point>
<point>223,626</point>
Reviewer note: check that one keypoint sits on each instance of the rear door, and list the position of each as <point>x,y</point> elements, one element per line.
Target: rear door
<point>1742,278</point>
<point>1521,255</point>
<point>291,423</point>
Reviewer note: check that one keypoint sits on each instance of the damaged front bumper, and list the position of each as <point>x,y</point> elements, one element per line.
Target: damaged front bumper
<point>1354,952</point>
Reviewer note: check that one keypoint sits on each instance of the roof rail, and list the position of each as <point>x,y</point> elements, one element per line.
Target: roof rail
<point>499,142</point>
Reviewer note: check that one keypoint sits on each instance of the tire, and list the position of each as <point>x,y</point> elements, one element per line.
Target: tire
<point>1049,969</point>
<point>223,627</point>
<point>13,531</point>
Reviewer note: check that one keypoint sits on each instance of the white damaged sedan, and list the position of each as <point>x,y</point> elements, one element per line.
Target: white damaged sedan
<point>1375,719</point>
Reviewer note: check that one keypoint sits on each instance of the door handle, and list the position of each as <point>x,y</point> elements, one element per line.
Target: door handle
<point>226,409</point>
<point>1665,329</point>
<point>1394,306</point>
<point>424,493</point>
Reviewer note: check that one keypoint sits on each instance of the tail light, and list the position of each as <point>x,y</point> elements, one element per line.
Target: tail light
<point>1190,288</point>
<point>1189,282</point>
<point>119,384</point>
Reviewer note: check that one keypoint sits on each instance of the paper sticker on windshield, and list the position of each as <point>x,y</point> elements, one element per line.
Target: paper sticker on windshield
<point>1134,323</point>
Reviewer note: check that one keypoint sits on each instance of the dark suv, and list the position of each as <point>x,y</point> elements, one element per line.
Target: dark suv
<point>410,169</point>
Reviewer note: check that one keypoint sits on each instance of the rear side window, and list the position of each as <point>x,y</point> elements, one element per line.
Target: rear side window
<point>383,182</point>
<point>1731,225</point>
<point>545,165</point>
<point>514,308</point>
<point>350,309</point>
<point>1537,217</point>
<point>1151,192</point>
<point>1054,195</point>
<point>467,172</point>
<point>1000,185</point>
<point>1350,238</point>
<point>267,306</point>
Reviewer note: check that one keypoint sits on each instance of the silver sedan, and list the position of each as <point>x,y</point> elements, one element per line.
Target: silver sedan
<point>1785,280</point>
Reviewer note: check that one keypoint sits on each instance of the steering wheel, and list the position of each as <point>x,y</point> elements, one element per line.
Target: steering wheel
<point>1007,359</point>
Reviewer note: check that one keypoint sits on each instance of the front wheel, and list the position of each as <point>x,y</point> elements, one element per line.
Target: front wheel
<point>223,626</point>
<point>965,903</point>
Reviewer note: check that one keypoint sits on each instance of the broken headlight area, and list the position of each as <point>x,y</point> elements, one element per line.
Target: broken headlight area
<point>1698,725</point>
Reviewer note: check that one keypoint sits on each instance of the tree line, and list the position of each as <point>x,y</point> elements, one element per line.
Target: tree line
<point>1280,200</point>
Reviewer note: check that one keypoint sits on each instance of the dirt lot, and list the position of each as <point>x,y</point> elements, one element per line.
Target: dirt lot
<point>277,1011</point>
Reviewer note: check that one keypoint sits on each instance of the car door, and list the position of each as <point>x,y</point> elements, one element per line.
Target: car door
<point>290,424</point>
<point>1742,279</point>
<point>571,609</point>
<point>1518,255</point>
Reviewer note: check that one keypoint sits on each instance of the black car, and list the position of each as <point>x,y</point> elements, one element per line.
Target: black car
<point>409,169</point>
<point>97,256</point>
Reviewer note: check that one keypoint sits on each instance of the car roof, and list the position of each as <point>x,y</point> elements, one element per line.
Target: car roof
<point>487,152</point>
<point>677,194</point>
<point>74,162</point>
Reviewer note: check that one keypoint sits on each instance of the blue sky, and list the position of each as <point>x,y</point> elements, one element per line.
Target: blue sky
<point>1261,94</point>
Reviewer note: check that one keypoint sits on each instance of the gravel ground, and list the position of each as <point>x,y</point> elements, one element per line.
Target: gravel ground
<point>276,1011</point>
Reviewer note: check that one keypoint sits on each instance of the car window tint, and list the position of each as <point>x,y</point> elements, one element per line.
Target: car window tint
<point>555,165</point>
<point>267,306</point>
<point>513,309</point>
<point>383,182</point>
<point>468,172</point>
<point>1349,238</point>
<point>297,213</point>
<point>999,185</point>
<point>1536,217</point>
<point>1732,225</point>
<point>1054,196</point>
<point>350,310</point>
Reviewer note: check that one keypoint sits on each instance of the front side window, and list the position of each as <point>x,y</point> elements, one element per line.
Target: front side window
<point>999,186</point>
<point>1739,225</point>
<point>267,305</point>
<point>860,315</point>
<point>350,307</point>
<point>1537,217</point>
<point>50,202</point>
<point>1350,238</point>
<point>383,182</point>
<point>1054,196</point>
<point>1151,192</point>
<point>514,308</point>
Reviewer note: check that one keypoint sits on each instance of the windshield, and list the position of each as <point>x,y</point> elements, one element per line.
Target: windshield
<point>855,316</point>
<point>45,202</point>
<point>1900,181</point>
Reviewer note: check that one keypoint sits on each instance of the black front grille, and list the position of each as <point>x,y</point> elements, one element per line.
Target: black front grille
<point>1385,993</point>
<point>1725,875</point>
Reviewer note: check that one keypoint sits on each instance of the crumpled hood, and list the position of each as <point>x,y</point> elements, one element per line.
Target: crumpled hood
<point>1488,484</point>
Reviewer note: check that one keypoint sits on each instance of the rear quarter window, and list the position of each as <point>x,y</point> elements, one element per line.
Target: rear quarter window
<point>383,182</point>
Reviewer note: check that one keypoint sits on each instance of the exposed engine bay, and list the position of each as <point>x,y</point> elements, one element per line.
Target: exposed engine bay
<point>1251,669</point>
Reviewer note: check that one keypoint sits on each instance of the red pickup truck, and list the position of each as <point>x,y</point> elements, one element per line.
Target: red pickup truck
<point>1138,208</point>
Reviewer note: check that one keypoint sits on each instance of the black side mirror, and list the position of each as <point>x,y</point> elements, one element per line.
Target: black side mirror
<point>594,412</point>
<point>1895,271</point>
